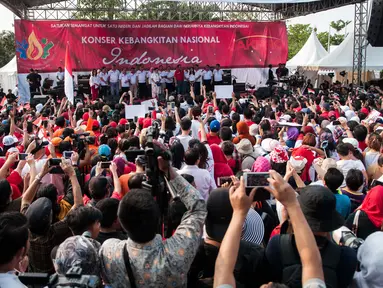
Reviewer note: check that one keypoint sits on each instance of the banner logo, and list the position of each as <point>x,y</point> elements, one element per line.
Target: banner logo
<point>34,49</point>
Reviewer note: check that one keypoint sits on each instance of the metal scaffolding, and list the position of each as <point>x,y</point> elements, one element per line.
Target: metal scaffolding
<point>360,42</point>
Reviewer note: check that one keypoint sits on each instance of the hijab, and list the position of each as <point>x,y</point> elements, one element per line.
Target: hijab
<point>372,205</point>
<point>243,133</point>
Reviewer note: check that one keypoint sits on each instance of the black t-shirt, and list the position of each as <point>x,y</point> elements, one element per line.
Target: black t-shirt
<point>38,79</point>
<point>365,226</point>
<point>345,271</point>
<point>251,269</point>
<point>102,236</point>
<point>32,77</point>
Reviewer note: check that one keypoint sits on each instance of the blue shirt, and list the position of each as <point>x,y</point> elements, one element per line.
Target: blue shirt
<point>343,205</point>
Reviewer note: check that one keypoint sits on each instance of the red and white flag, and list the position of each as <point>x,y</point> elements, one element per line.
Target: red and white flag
<point>68,83</point>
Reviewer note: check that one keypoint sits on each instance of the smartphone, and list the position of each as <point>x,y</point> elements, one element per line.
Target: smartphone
<point>67,154</point>
<point>105,165</point>
<point>135,119</point>
<point>23,156</point>
<point>256,179</point>
<point>54,162</point>
<point>171,105</point>
<point>223,180</point>
<point>210,109</point>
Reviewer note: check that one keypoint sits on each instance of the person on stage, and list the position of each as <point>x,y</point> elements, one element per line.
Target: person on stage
<point>104,82</point>
<point>142,83</point>
<point>133,81</point>
<point>208,78</point>
<point>169,80</point>
<point>218,73</point>
<point>94,83</point>
<point>270,79</point>
<point>60,76</point>
<point>155,81</point>
<point>198,80</point>
<point>114,80</point>
<point>124,81</point>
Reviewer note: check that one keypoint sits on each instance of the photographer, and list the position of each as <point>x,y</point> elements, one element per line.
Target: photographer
<point>143,251</point>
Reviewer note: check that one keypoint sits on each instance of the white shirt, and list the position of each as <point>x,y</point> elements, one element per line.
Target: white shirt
<point>163,76</point>
<point>217,75</point>
<point>191,77</point>
<point>94,80</point>
<point>184,141</point>
<point>186,74</point>
<point>170,77</point>
<point>198,73</point>
<point>202,179</point>
<point>114,76</point>
<point>15,91</point>
<point>346,165</point>
<point>133,78</point>
<point>10,280</point>
<point>195,128</point>
<point>125,79</point>
<point>207,74</point>
<point>154,78</point>
<point>141,76</point>
<point>103,78</point>
<point>60,76</point>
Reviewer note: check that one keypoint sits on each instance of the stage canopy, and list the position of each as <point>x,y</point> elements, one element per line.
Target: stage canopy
<point>310,53</point>
<point>8,75</point>
<point>341,57</point>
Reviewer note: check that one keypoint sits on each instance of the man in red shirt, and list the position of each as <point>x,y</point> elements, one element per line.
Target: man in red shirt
<point>179,79</point>
<point>212,137</point>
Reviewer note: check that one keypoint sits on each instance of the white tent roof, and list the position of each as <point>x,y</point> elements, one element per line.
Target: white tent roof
<point>342,57</point>
<point>310,53</point>
<point>11,67</point>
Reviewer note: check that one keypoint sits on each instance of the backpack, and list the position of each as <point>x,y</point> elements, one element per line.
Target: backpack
<point>292,267</point>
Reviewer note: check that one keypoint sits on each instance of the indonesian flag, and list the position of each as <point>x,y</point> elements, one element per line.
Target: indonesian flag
<point>310,91</point>
<point>68,84</point>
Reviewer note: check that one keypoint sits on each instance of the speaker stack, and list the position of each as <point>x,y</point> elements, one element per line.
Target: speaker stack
<point>375,29</point>
<point>226,77</point>
<point>83,84</point>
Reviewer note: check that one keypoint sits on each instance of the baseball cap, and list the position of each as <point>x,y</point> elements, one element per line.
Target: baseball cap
<point>104,150</point>
<point>351,141</point>
<point>113,124</point>
<point>214,126</point>
<point>9,140</point>
<point>298,163</point>
<point>318,204</point>
<point>326,106</point>
<point>122,121</point>
<point>95,124</point>
<point>38,214</point>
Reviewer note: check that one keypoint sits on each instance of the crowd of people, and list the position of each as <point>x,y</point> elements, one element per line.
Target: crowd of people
<point>76,186</point>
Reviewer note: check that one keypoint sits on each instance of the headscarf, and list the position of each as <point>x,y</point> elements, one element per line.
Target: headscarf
<point>218,155</point>
<point>243,133</point>
<point>308,154</point>
<point>292,133</point>
<point>221,168</point>
<point>261,164</point>
<point>372,205</point>
<point>370,255</point>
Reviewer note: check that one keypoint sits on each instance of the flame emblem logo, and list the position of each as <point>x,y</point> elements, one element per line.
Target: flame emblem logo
<point>33,49</point>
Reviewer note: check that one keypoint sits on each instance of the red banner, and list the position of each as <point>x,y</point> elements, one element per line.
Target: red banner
<point>93,44</point>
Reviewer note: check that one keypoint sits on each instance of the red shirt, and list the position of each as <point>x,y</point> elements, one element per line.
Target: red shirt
<point>179,75</point>
<point>362,145</point>
<point>249,122</point>
<point>213,139</point>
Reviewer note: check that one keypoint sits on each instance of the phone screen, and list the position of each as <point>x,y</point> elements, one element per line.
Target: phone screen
<point>105,165</point>
<point>223,180</point>
<point>256,179</point>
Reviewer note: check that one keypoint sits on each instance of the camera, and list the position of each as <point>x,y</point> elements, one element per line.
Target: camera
<point>258,181</point>
<point>73,278</point>
<point>345,237</point>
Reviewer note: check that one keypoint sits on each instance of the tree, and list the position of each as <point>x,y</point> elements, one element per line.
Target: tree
<point>100,9</point>
<point>7,47</point>
<point>297,36</point>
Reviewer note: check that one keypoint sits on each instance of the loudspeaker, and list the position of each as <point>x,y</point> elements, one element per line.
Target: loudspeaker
<point>226,77</point>
<point>375,29</point>
<point>239,87</point>
<point>83,84</point>
<point>263,93</point>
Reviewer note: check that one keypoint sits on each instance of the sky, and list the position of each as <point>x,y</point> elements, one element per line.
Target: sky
<point>319,20</point>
